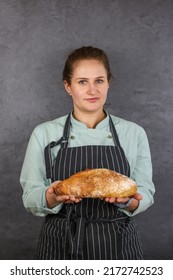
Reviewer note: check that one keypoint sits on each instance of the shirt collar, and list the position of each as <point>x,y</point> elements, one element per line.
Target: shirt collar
<point>81,126</point>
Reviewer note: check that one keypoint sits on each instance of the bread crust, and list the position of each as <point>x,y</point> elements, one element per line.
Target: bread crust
<point>97,183</point>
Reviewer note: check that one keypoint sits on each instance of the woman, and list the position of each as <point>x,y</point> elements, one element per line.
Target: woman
<point>88,137</point>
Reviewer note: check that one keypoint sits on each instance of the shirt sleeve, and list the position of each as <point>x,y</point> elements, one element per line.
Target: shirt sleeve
<point>142,173</point>
<point>33,178</point>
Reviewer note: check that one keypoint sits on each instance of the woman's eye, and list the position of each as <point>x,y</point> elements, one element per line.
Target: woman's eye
<point>82,82</point>
<point>99,81</point>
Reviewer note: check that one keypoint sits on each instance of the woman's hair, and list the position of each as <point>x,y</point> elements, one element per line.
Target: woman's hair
<point>85,53</point>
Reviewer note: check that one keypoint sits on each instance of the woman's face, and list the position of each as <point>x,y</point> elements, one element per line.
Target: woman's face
<point>89,86</point>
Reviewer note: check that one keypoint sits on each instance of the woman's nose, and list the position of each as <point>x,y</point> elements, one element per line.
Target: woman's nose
<point>92,89</point>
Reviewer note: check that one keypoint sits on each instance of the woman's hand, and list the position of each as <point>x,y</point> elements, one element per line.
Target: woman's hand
<point>134,202</point>
<point>53,199</point>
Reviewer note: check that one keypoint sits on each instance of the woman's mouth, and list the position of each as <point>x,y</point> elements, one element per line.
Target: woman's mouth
<point>92,100</point>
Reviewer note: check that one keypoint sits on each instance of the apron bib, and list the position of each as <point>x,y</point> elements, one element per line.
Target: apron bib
<point>91,229</point>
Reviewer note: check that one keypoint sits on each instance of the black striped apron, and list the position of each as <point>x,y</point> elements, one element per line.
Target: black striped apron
<point>91,229</point>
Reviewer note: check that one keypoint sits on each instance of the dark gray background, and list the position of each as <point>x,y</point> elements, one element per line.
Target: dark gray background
<point>35,38</point>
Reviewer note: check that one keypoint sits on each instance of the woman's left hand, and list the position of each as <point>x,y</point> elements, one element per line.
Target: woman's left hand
<point>134,202</point>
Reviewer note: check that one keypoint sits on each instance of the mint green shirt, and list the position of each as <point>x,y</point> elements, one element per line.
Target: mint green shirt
<point>132,138</point>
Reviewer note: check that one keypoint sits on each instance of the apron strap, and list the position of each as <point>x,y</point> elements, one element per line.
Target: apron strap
<point>63,141</point>
<point>66,132</point>
<point>117,143</point>
<point>76,236</point>
<point>114,133</point>
<point>48,156</point>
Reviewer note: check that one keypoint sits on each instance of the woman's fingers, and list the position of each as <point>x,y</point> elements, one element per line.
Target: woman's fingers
<point>136,196</point>
<point>68,199</point>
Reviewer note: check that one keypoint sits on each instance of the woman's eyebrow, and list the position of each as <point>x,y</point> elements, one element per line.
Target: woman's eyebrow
<point>99,77</point>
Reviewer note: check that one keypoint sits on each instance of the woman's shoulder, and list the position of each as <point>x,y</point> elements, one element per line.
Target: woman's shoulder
<point>52,123</point>
<point>52,128</point>
<point>127,125</point>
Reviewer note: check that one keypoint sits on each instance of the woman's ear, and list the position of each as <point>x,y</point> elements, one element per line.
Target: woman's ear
<point>67,87</point>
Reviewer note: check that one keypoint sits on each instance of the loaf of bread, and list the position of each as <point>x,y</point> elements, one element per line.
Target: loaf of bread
<point>97,183</point>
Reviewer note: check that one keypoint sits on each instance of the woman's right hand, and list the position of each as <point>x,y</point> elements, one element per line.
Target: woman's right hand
<point>53,199</point>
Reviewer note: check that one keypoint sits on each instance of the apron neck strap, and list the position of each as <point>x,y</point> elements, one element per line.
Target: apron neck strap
<point>63,141</point>
<point>66,131</point>
<point>114,133</point>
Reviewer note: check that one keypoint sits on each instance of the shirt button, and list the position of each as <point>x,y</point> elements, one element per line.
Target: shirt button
<point>109,136</point>
<point>72,137</point>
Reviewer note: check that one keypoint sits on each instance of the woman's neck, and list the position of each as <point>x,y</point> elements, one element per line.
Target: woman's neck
<point>90,119</point>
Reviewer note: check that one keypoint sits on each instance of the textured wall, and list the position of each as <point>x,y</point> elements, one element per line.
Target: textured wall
<point>35,38</point>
